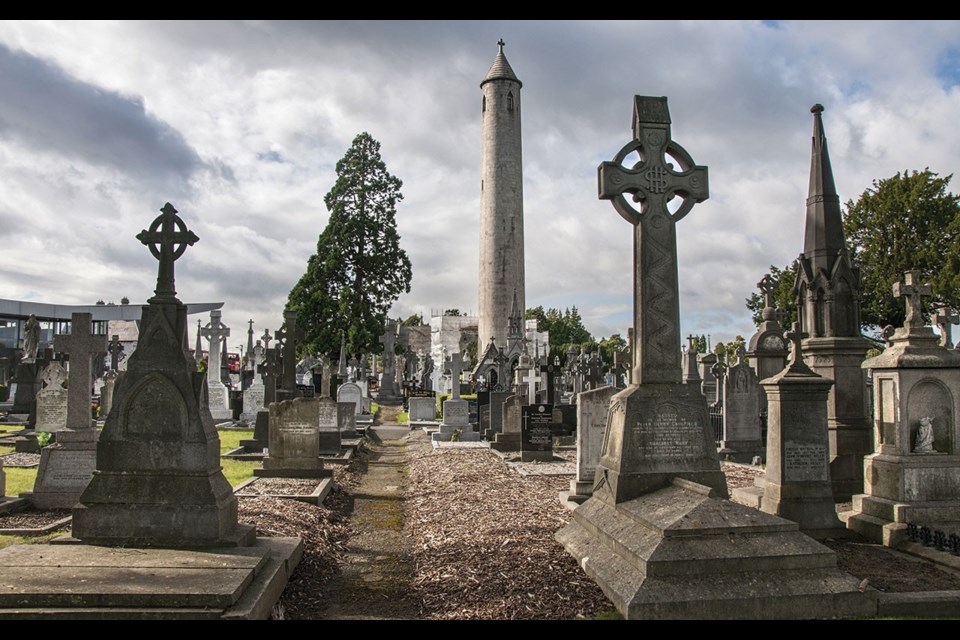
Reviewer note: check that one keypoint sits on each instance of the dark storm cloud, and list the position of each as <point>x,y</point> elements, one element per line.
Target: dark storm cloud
<point>43,107</point>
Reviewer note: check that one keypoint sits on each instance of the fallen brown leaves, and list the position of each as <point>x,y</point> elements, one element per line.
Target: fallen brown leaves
<point>482,541</point>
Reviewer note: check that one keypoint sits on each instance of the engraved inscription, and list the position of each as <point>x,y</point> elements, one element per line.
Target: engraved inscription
<point>291,427</point>
<point>329,416</point>
<point>804,462</point>
<point>670,433</point>
<point>69,469</point>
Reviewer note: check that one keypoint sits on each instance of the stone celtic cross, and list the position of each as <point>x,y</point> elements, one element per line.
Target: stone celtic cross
<point>215,332</point>
<point>290,335</point>
<point>266,337</point>
<point>653,182</point>
<point>81,345</point>
<point>911,289</point>
<point>454,364</point>
<point>115,349</point>
<point>167,238</point>
<point>943,318</point>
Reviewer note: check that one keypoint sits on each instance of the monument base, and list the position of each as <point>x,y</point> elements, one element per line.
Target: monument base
<point>84,582</point>
<point>682,553</point>
<point>506,442</point>
<point>579,493</point>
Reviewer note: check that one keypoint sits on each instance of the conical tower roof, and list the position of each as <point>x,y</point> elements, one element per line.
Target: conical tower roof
<point>501,70</point>
<point>823,239</point>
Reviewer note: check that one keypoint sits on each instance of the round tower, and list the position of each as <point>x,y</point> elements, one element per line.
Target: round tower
<point>501,203</point>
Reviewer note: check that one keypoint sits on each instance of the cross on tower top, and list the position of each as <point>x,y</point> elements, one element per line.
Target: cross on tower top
<point>501,44</point>
<point>911,289</point>
<point>171,234</point>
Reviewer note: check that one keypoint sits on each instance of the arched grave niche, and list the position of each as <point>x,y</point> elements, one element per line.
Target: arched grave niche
<point>930,397</point>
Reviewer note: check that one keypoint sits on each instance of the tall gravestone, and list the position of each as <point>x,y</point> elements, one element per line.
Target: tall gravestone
<point>456,411</point>
<point>536,433</point>
<point>218,396</point>
<point>347,420</point>
<point>509,439</point>
<point>797,480</point>
<point>289,335</point>
<point>329,431</point>
<point>913,476</point>
<point>66,469</point>
<point>254,395</point>
<point>657,535</point>
<point>52,399</point>
<point>592,409</point>
<point>158,480</point>
<point>742,436</point>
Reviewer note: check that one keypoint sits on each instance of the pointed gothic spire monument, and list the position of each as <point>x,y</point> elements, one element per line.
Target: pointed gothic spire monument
<point>501,273</point>
<point>158,480</point>
<point>827,291</point>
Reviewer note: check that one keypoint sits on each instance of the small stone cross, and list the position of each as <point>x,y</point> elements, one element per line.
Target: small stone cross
<point>454,364</point>
<point>115,349</point>
<point>911,289</point>
<point>81,345</point>
<point>501,44</point>
<point>171,234</point>
<point>795,336</point>
<point>943,318</point>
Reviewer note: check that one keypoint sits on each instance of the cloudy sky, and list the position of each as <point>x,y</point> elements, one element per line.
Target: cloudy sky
<point>239,126</point>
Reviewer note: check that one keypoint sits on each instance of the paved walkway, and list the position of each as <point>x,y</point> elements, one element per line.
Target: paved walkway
<point>377,567</point>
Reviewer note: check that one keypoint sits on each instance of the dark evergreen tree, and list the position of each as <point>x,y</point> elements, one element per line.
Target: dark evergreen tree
<point>359,269</point>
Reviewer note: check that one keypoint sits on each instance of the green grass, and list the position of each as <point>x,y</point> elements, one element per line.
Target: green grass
<point>608,614</point>
<point>403,417</point>
<point>8,541</point>
<point>236,471</point>
<point>20,479</point>
<point>231,439</point>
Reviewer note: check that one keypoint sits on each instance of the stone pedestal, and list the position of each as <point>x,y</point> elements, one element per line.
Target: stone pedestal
<point>912,379</point>
<point>25,397</point>
<point>65,470</point>
<point>797,480</point>
<point>218,400</point>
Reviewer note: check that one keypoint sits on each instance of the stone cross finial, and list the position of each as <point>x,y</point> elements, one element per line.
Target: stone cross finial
<point>911,289</point>
<point>767,286</point>
<point>943,318</point>
<point>171,234</point>
<point>501,44</point>
<point>115,349</point>
<point>741,354</point>
<point>795,336</point>
<point>81,345</point>
<point>653,182</point>
<point>691,343</point>
<point>266,338</point>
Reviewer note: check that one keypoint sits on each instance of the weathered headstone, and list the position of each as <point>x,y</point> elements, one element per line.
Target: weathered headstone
<point>497,398</point>
<point>350,392</point>
<point>592,409</point>
<point>218,396</point>
<point>509,439</point>
<point>329,426</point>
<point>536,439</point>
<point>742,437</point>
<point>290,335</point>
<point>347,420</point>
<point>158,480</point>
<point>110,380</point>
<point>915,381</point>
<point>52,399</point>
<point>657,516</point>
<point>66,468</point>
<point>294,440</point>
<point>422,410</point>
<point>253,398</point>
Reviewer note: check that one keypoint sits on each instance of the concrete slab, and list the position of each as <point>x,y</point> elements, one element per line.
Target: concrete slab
<point>78,581</point>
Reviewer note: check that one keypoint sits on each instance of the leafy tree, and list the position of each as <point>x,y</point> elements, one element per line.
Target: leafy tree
<point>908,221</point>
<point>565,328</point>
<point>610,345</point>
<point>359,268</point>
<point>413,320</point>
<point>782,295</point>
<point>727,352</point>
<point>452,312</point>
<point>700,343</point>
